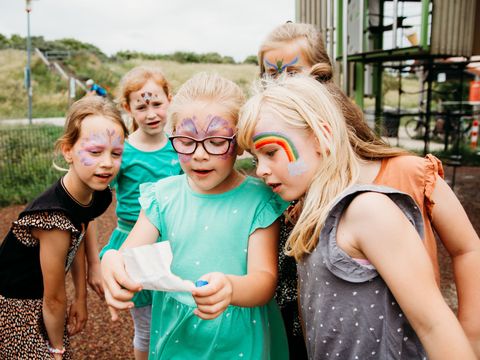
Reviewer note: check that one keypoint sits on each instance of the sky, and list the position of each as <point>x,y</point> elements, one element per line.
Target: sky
<point>229,27</point>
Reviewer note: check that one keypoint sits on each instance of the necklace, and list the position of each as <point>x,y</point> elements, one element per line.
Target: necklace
<point>72,197</point>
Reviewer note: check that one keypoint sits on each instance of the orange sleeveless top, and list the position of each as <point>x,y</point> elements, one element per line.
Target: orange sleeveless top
<point>415,176</point>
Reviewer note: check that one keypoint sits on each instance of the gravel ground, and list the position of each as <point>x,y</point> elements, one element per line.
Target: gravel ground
<point>104,340</point>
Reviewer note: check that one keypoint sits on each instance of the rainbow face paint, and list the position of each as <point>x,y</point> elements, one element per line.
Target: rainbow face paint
<point>279,66</point>
<point>279,139</point>
<point>295,166</point>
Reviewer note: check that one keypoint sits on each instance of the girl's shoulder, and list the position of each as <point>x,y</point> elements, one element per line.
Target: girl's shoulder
<point>381,202</point>
<point>412,167</point>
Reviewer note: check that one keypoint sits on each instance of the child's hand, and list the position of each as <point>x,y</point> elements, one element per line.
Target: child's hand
<point>76,317</point>
<point>213,298</point>
<point>94,279</point>
<point>119,288</point>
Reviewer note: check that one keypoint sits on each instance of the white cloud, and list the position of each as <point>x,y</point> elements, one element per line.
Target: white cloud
<point>229,27</point>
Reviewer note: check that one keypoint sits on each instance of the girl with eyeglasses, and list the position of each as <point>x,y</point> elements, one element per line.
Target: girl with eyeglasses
<point>222,228</point>
<point>144,94</point>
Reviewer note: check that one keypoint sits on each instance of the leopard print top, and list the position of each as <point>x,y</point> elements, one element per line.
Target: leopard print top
<point>47,220</point>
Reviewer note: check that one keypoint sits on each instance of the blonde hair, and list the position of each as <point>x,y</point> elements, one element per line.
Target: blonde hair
<point>208,88</point>
<point>366,144</point>
<point>304,104</point>
<point>87,106</point>
<point>135,79</point>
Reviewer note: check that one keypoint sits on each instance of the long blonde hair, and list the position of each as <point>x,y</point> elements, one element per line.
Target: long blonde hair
<point>304,104</point>
<point>366,144</point>
<point>135,79</point>
<point>209,88</point>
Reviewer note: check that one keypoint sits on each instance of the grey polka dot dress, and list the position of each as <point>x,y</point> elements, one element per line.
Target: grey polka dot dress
<point>349,312</point>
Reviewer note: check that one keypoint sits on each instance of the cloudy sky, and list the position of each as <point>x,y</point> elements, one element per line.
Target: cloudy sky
<point>229,27</point>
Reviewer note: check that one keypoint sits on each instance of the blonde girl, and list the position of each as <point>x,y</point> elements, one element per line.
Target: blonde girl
<point>46,239</point>
<point>222,229</point>
<point>367,288</point>
<point>144,94</point>
<point>421,178</point>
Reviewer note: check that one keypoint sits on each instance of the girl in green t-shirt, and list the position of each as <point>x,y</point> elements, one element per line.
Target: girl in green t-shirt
<point>222,229</point>
<point>148,156</point>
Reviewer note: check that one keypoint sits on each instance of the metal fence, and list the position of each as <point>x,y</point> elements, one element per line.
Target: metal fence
<point>26,161</point>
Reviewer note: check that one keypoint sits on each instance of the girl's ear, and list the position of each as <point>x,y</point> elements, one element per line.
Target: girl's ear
<point>126,107</point>
<point>327,132</point>
<point>169,97</point>
<point>67,153</point>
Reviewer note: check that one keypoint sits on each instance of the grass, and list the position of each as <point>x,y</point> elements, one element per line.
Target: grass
<point>50,92</point>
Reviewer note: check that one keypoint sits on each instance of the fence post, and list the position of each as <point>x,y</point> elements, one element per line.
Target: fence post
<point>71,90</point>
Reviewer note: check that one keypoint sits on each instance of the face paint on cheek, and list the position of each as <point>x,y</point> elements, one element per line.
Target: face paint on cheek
<point>184,158</point>
<point>297,168</point>
<point>85,158</point>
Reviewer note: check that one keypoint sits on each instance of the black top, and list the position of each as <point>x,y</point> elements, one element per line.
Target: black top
<point>20,271</point>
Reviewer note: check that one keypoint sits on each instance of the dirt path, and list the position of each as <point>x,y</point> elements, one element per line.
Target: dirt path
<point>105,340</point>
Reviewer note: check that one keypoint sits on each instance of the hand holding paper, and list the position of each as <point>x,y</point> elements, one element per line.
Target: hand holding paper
<point>149,265</point>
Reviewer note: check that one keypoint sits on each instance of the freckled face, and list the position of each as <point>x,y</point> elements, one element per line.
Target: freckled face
<point>287,58</point>
<point>208,174</point>
<point>148,106</point>
<point>95,157</point>
<point>287,159</point>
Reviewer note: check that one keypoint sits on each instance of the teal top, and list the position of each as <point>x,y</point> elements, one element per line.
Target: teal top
<point>210,233</point>
<point>138,167</point>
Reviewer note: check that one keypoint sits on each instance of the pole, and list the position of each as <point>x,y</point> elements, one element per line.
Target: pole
<point>28,77</point>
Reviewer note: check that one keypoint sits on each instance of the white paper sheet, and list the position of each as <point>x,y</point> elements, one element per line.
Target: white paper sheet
<point>149,265</point>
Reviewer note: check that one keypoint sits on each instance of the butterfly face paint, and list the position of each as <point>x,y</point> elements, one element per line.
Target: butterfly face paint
<point>94,145</point>
<point>216,126</point>
<point>279,66</point>
<point>295,165</point>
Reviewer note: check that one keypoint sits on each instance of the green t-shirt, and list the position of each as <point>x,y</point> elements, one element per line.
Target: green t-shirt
<point>138,167</point>
<point>210,233</point>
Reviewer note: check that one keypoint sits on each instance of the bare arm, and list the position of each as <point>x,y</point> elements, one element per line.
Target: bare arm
<point>119,288</point>
<point>461,241</point>
<point>94,274</point>
<point>54,246</point>
<point>393,246</point>
<point>77,313</point>
<point>253,289</point>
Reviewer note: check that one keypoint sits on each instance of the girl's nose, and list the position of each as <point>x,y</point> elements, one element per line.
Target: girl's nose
<point>262,170</point>
<point>107,161</point>
<point>151,113</point>
<point>200,152</point>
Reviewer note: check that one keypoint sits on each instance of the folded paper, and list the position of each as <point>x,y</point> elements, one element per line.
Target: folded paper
<point>149,265</point>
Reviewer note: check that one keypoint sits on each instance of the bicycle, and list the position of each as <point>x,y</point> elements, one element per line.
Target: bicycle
<point>445,127</point>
